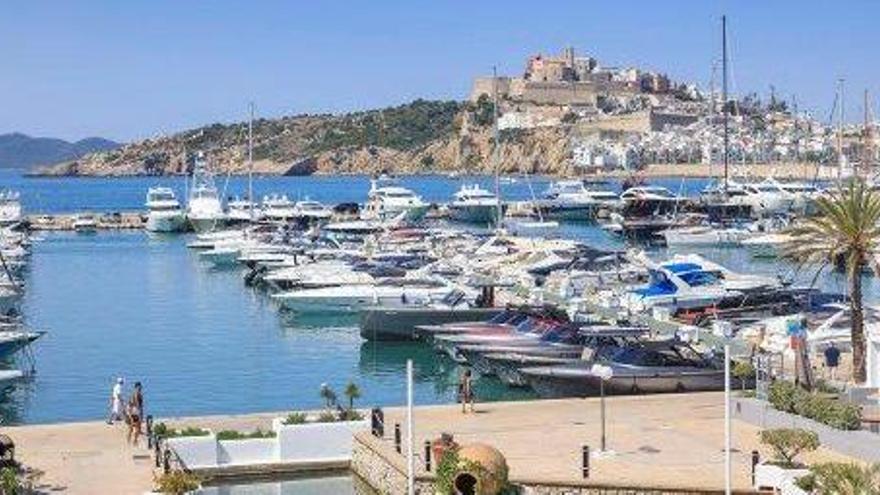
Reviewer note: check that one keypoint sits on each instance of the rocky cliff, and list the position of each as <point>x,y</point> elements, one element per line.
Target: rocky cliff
<point>419,137</point>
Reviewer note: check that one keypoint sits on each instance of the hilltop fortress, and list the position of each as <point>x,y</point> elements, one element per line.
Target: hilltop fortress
<point>568,79</point>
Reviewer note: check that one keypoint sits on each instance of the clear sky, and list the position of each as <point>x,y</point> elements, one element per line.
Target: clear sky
<point>137,68</point>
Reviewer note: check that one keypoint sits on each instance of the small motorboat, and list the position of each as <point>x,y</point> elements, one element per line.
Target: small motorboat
<point>648,367</point>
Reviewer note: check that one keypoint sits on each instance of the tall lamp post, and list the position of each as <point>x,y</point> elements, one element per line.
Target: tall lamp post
<point>604,373</point>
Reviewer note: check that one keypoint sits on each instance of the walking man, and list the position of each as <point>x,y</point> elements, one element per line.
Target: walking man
<point>116,402</point>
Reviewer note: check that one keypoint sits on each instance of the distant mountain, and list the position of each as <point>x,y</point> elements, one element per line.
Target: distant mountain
<point>22,151</point>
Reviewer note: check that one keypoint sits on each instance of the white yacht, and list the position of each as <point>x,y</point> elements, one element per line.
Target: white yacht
<point>164,213</point>
<point>704,235</point>
<point>387,201</point>
<point>473,204</point>
<point>311,211</point>
<point>348,299</point>
<point>10,207</point>
<point>85,223</point>
<point>204,209</point>
<point>691,281</point>
<point>241,210</point>
<point>278,207</point>
<point>571,200</point>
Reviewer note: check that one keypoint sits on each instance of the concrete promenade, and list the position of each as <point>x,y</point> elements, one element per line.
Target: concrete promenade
<point>665,440</point>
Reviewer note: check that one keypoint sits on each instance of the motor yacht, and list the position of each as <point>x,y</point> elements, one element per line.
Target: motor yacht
<point>85,223</point>
<point>240,210</point>
<point>388,201</point>
<point>571,200</point>
<point>695,230</point>
<point>309,211</point>
<point>204,211</point>
<point>691,281</point>
<point>277,207</point>
<point>641,201</point>
<point>473,204</point>
<point>349,299</point>
<point>164,213</point>
<point>648,367</point>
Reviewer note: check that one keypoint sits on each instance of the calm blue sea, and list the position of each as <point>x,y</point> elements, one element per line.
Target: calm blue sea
<point>143,307</point>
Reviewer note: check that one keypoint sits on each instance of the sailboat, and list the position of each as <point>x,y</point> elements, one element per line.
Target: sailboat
<point>204,209</point>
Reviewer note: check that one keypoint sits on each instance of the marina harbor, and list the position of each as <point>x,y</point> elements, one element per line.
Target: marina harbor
<point>383,248</point>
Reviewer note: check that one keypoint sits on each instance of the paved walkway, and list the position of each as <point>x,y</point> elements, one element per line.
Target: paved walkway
<point>660,440</point>
<point>84,458</point>
<point>668,439</point>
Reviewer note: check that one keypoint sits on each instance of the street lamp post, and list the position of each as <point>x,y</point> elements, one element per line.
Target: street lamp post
<point>604,373</point>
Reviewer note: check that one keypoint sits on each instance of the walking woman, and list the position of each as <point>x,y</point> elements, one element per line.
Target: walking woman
<point>135,414</point>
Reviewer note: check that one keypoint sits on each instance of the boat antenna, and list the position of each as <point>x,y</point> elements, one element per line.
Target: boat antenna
<point>251,161</point>
<point>496,145</point>
<point>724,108</point>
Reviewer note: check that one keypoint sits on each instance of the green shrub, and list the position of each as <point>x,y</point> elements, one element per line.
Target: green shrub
<point>161,430</point>
<point>177,482</point>
<point>788,443</point>
<point>237,435</point>
<point>350,415</point>
<point>327,417</point>
<point>788,397</point>
<point>838,477</point>
<point>295,418</point>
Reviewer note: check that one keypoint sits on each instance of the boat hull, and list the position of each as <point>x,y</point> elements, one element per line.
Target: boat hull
<point>481,214</point>
<point>206,224</point>
<point>166,223</point>
<point>587,385</point>
<point>378,323</point>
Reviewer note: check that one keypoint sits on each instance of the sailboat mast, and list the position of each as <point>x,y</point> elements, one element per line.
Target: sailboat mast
<point>840,128</point>
<point>496,145</point>
<point>251,161</point>
<point>724,108</point>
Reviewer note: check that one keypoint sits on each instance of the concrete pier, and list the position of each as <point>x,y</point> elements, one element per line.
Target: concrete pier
<point>672,443</point>
<point>104,221</point>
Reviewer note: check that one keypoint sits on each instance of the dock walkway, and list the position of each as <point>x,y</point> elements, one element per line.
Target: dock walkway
<point>659,441</point>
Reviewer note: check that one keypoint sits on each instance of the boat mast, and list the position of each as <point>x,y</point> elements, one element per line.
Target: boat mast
<point>724,108</point>
<point>840,128</point>
<point>251,161</point>
<point>867,145</point>
<point>496,145</point>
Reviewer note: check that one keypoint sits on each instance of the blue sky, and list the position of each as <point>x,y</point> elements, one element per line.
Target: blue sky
<point>134,69</point>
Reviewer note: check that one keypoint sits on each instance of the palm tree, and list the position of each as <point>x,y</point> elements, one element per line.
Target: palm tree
<point>352,392</point>
<point>328,395</point>
<point>845,234</point>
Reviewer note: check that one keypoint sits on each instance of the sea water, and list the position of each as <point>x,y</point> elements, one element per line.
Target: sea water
<point>145,308</point>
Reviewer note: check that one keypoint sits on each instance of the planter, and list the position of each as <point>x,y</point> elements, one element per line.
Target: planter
<point>316,441</point>
<point>769,476</point>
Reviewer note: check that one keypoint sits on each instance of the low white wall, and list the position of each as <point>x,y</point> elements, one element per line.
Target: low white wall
<point>316,441</point>
<point>247,451</point>
<point>292,443</point>
<point>195,452</point>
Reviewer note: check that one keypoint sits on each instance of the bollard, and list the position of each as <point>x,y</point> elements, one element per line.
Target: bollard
<point>756,458</point>
<point>166,464</point>
<point>157,453</point>
<point>427,456</point>
<point>585,461</point>
<point>397,437</point>
<point>150,431</point>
